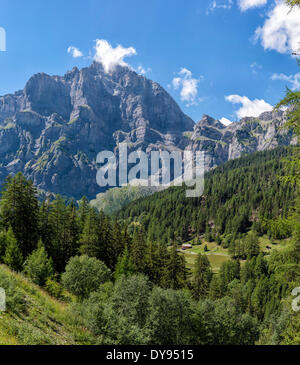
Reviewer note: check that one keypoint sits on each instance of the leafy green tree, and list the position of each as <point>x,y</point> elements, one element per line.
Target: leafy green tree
<point>118,314</point>
<point>38,266</point>
<point>13,256</point>
<point>170,319</point>
<point>202,277</point>
<point>84,275</point>
<point>293,3</point>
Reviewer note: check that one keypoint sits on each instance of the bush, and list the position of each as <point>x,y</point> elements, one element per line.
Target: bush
<point>54,288</point>
<point>15,299</point>
<point>38,267</point>
<point>84,275</point>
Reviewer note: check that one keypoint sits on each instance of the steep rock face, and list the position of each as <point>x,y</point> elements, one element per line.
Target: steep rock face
<point>251,134</point>
<point>54,128</point>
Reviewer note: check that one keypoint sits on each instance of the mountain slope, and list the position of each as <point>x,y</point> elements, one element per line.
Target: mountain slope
<point>33,317</point>
<point>238,194</point>
<point>53,130</point>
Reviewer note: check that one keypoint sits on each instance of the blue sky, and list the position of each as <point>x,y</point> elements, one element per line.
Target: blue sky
<point>204,52</point>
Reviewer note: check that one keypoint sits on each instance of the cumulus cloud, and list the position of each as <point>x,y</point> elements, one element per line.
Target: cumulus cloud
<point>111,57</point>
<point>188,86</point>
<point>281,30</point>
<point>248,4</point>
<point>294,80</point>
<point>249,108</point>
<point>75,52</point>
<point>225,121</point>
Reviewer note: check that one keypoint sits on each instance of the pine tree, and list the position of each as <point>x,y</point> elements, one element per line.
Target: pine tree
<point>153,268</point>
<point>20,211</point>
<point>176,273</point>
<point>202,277</point>
<point>58,247</point>
<point>38,266</point>
<point>73,229</point>
<point>252,244</point>
<point>45,228</point>
<point>125,266</point>
<point>138,249</point>
<point>83,211</point>
<point>90,237</point>
<point>13,256</point>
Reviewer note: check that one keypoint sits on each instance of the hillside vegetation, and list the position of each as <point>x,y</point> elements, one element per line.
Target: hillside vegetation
<point>242,193</point>
<point>118,281</point>
<point>33,317</point>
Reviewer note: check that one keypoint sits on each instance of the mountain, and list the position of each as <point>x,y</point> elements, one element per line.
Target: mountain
<point>53,130</point>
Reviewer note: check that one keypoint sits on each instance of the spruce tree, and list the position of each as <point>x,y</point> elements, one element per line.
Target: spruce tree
<point>38,266</point>
<point>20,211</point>
<point>13,256</point>
<point>90,237</point>
<point>176,273</point>
<point>202,277</point>
<point>125,266</point>
<point>138,249</point>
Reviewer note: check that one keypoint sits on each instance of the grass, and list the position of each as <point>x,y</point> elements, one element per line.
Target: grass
<point>217,255</point>
<point>41,320</point>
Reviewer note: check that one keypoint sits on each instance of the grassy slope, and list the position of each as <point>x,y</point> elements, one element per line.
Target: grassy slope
<point>44,321</point>
<point>217,254</point>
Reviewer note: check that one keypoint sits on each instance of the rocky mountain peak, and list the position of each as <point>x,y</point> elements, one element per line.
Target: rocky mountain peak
<point>53,130</point>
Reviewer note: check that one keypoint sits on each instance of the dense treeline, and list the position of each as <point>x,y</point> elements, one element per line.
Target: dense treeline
<point>131,288</point>
<point>243,193</point>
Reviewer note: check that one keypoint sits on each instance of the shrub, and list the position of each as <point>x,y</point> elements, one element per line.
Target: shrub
<point>54,288</point>
<point>15,299</point>
<point>84,275</point>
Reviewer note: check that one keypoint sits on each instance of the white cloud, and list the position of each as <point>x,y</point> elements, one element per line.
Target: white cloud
<point>188,85</point>
<point>141,70</point>
<point>248,4</point>
<point>250,108</point>
<point>110,57</point>
<point>281,30</point>
<point>75,52</point>
<point>255,67</point>
<point>294,80</point>
<point>225,121</point>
